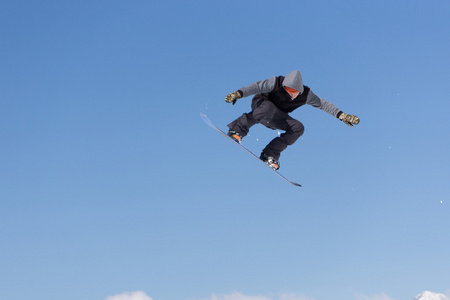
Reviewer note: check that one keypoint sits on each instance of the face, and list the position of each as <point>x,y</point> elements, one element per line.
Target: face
<point>292,92</point>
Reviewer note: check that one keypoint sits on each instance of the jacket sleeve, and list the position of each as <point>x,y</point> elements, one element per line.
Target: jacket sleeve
<point>259,87</point>
<point>315,101</point>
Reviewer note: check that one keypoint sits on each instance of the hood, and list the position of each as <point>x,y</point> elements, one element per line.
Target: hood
<point>294,80</point>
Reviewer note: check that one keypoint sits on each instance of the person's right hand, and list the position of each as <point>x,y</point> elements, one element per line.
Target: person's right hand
<point>233,97</point>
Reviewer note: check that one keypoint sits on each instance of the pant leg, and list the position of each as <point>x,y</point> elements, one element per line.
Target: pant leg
<point>261,112</point>
<point>273,118</point>
<point>267,114</point>
<point>294,129</point>
<point>242,124</point>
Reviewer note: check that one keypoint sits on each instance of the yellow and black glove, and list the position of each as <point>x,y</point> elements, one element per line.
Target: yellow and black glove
<point>350,120</point>
<point>233,97</point>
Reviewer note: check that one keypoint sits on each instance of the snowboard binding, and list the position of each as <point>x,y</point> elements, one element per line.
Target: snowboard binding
<point>272,162</point>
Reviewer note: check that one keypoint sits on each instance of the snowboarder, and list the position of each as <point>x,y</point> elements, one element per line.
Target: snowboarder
<point>274,99</point>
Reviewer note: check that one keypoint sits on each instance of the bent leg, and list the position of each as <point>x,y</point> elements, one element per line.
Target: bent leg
<point>262,112</point>
<point>266,113</point>
<point>294,129</point>
<point>242,124</point>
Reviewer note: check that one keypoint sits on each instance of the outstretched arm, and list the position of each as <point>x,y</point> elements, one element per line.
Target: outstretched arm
<point>259,87</point>
<point>330,108</point>
<point>322,104</point>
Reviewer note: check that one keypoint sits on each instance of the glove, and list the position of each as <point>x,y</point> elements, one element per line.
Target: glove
<point>233,97</point>
<point>350,120</point>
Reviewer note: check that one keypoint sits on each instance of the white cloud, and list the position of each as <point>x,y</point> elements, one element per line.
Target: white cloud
<point>294,297</point>
<point>426,295</point>
<point>237,296</point>
<point>381,296</point>
<point>139,295</point>
<point>240,296</point>
<point>431,296</point>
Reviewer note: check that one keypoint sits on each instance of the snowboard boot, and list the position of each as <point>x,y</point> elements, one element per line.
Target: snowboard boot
<point>235,136</point>
<point>272,162</point>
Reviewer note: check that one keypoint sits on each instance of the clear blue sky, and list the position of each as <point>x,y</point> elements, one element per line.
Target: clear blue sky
<point>111,183</point>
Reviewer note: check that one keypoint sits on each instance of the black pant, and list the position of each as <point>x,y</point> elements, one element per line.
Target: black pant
<point>267,114</point>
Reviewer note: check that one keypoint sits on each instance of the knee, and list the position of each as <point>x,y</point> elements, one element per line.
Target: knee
<point>298,128</point>
<point>295,131</point>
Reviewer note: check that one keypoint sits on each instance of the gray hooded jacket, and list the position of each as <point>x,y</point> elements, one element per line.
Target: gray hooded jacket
<point>293,80</point>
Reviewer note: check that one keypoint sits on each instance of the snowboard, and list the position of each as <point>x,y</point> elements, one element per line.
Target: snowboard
<point>210,124</point>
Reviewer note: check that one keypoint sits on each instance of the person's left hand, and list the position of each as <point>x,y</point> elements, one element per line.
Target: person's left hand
<point>350,120</point>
